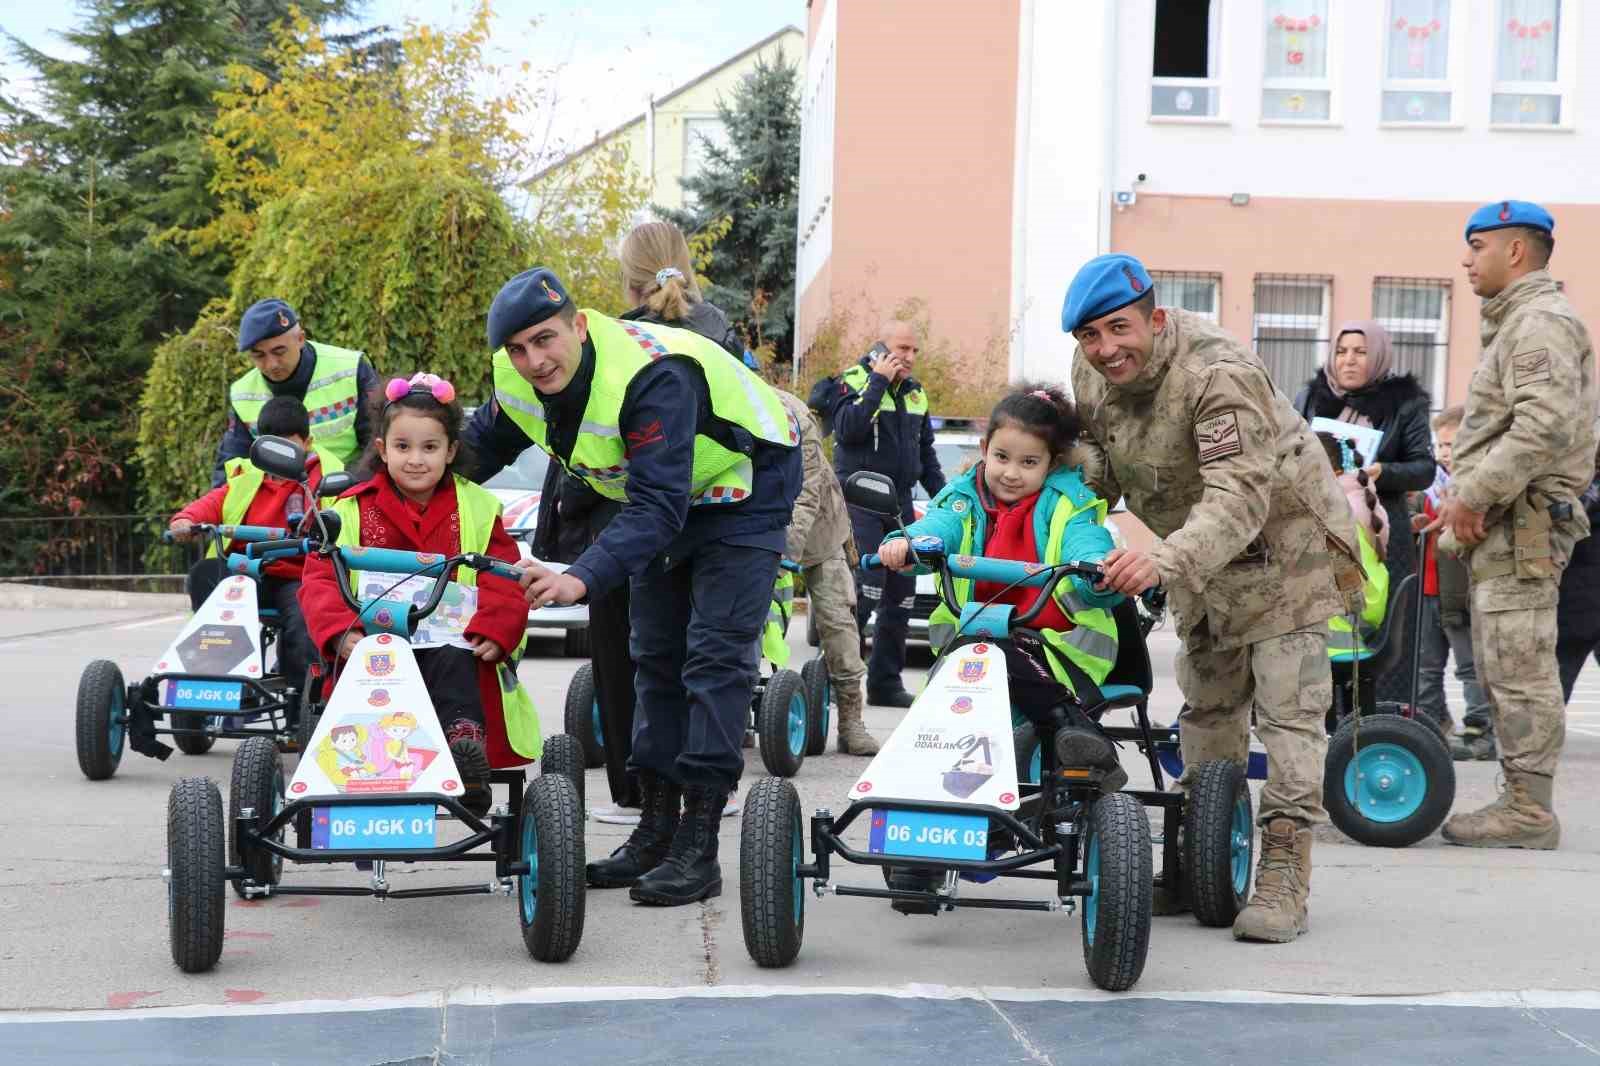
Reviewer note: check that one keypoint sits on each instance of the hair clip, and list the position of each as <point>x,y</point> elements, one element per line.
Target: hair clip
<point>426,384</point>
<point>1043,394</point>
<point>665,274</point>
<point>1347,454</point>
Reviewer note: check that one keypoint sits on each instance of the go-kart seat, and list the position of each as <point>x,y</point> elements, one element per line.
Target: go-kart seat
<point>1387,650</point>
<point>1130,679</point>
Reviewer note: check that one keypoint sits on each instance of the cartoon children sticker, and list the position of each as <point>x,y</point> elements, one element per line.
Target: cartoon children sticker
<point>390,754</point>
<point>341,755</point>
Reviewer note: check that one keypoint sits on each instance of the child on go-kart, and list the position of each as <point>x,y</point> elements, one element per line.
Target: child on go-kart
<point>1023,502</point>
<point>254,498</point>
<point>1372,529</point>
<point>414,501</point>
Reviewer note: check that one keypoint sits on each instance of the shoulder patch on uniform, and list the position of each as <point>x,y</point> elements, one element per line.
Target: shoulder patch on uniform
<point>958,506</point>
<point>1218,437</point>
<point>1530,368</point>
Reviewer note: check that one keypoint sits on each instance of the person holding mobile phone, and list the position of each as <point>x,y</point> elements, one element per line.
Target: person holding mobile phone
<point>880,423</point>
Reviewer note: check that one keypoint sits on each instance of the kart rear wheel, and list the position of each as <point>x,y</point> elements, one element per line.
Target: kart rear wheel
<point>582,717</point>
<point>1030,754</point>
<point>819,695</point>
<point>1116,914</point>
<point>550,896</point>
<point>191,743</point>
<point>195,913</point>
<point>305,726</point>
<point>781,724</point>
<point>772,897</point>
<point>1218,842</point>
<point>1396,788</point>
<point>102,719</point>
<point>575,643</point>
<point>257,783</point>
<point>564,755</point>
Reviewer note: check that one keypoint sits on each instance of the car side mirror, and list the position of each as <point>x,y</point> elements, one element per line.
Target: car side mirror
<point>872,491</point>
<point>279,457</point>
<point>336,484</point>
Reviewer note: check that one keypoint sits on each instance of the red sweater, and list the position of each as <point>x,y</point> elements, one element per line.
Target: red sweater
<point>1010,536</point>
<point>269,507</point>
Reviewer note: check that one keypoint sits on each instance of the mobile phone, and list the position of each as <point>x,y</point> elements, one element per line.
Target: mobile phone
<point>877,351</point>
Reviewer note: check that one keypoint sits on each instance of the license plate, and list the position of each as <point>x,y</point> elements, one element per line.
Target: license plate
<point>183,695</point>
<point>929,835</point>
<point>356,826</point>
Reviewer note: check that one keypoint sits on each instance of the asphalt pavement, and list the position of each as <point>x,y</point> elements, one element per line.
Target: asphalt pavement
<point>1431,953</point>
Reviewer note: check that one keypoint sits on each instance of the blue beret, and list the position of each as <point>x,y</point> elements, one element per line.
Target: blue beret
<point>264,320</point>
<point>1105,284</point>
<point>526,300</point>
<point>1503,213</point>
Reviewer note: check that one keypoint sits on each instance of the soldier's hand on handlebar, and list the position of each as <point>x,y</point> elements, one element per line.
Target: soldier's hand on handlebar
<point>546,588</point>
<point>1128,572</point>
<point>895,554</point>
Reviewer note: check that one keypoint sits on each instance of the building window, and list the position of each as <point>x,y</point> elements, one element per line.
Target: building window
<point>699,133</point>
<point>1186,69</point>
<point>1416,312</point>
<point>1532,66</point>
<point>1295,84</point>
<point>1417,85</point>
<point>1291,326</point>
<point>1197,292</point>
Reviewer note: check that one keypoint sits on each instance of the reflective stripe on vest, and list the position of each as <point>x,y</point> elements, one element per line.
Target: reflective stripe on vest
<point>622,350</point>
<point>915,400</point>
<point>1343,644</point>
<point>478,509</point>
<point>774,635</point>
<point>331,400</point>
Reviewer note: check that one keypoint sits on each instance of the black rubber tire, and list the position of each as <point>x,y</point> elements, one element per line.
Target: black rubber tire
<point>1208,842</point>
<point>1422,742</point>
<point>772,725</point>
<point>305,726</point>
<point>579,718</point>
<point>564,755</point>
<point>191,744</point>
<point>1116,957</point>
<point>195,913</point>
<point>772,902</point>
<point>258,781</point>
<point>813,638</point>
<point>575,643</point>
<point>1025,740</point>
<point>100,694</point>
<point>555,927</point>
<point>819,696</point>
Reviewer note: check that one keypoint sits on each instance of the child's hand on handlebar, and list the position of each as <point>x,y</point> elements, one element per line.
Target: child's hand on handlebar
<point>1128,572</point>
<point>485,649</point>
<point>348,644</point>
<point>181,529</point>
<point>546,588</point>
<point>895,554</point>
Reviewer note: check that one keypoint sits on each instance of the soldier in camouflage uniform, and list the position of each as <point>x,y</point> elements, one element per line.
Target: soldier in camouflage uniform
<point>819,538</point>
<point>1257,548</point>
<point>1525,453</point>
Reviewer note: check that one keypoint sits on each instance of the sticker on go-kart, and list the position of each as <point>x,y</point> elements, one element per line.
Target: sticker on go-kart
<point>447,625</point>
<point>222,637</point>
<point>379,734</point>
<point>954,744</point>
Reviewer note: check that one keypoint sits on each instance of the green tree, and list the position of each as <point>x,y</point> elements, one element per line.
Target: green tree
<point>753,183</point>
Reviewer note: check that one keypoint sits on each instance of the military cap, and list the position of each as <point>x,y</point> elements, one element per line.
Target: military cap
<point>1104,284</point>
<point>264,320</point>
<point>526,300</point>
<point>1503,213</point>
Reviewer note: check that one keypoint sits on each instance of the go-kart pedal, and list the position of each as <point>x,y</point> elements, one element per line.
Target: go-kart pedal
<point>1089,755</point>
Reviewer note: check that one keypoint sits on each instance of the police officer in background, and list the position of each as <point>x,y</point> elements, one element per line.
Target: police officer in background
<point>705,461</point>
<point>880,422</point>
<point>1525,453</point>
<point>1255,545</point>
<point>332,382</point>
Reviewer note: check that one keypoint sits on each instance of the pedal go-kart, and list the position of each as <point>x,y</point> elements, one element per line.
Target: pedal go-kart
<point>374,784</point>
<point>209,684</point>
<point>789,711</point>
<point>943,801</point>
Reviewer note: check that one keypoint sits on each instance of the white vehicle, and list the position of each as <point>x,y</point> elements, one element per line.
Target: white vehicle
<point>518,488</point>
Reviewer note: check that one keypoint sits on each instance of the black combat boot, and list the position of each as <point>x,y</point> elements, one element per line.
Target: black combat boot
<point>690,872</point>
<point>647,845</point>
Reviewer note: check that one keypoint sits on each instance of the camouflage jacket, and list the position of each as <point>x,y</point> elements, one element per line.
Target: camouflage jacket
<point>1256,536</point>
<point>820,527</point>
<point>1528,440</point>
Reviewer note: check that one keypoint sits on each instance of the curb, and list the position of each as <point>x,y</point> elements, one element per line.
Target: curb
<point>15,595</point>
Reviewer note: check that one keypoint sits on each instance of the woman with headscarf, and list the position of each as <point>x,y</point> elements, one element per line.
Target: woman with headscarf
<point>1358,385</point>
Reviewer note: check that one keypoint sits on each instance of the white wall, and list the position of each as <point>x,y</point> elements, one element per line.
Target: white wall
<point>1353,157</point>
<point>815,235</point>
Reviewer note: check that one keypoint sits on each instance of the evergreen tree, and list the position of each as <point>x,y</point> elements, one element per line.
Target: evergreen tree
<point>753,183</point>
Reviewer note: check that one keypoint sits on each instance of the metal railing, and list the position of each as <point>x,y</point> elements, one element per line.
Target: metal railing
<point>85,548</point>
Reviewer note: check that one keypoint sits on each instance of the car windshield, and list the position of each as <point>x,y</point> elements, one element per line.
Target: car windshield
<point>954,458</point>
<point>527,473</point>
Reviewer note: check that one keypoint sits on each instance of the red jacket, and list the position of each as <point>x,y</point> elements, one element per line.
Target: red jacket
<point>389,520</point>
<point>269,507</point>
<point>1010,536</point>
<point>1430,571</point>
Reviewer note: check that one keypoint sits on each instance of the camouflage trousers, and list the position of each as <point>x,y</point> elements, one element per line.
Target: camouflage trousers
<point>1516,656</point>
<point>831,599</point>
<point>1289,684</point>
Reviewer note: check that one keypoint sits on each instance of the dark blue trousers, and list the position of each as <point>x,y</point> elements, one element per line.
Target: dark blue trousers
<point>694,618</point>
<point>888,592</point>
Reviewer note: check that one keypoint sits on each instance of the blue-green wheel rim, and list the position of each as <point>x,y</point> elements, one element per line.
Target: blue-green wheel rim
<point>794,868</point>
<point>117,722</point>
<point>1091,874</point>
<point>1385,783</point>
<point>1239,844</point>
<point>594,716</point>
<point>797,724</point>
<point>1036,765</point>
<point>529,886</point>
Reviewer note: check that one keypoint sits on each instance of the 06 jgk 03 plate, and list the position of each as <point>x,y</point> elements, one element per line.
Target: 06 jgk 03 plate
<point>929,835</point>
